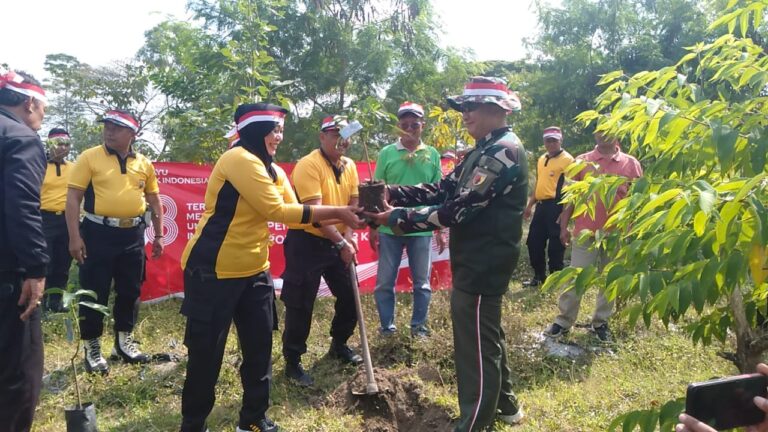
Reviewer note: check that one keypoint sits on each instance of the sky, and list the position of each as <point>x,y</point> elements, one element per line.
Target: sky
<point>67,26</point>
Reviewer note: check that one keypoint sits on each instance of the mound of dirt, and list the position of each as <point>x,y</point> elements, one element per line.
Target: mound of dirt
<point>398,407</point>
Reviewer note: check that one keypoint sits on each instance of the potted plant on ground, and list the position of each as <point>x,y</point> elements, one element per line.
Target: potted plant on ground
<point>80,417</point>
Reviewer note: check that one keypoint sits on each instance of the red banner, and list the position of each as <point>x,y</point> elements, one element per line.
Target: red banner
<point>182,192</point>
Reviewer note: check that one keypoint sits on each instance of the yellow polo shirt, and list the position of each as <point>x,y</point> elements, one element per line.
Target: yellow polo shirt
<point>53,194</point>
<point>114,187</point>
<point>313,178</point>
<point>232,238</point>
<point>549,175</point>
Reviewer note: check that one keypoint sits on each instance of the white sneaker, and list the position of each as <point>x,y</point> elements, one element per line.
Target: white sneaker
<point>513,419</point>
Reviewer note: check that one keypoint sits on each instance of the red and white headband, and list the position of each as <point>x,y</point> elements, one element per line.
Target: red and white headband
<point>121,119</point>
<point>59,136</point>
<point>15,82</point>
<point>260,116</point>
<point>486,89</point>
<point>411,107</point>
<point>328,123</point>
<point>553,133</point>
<point>233,137</point>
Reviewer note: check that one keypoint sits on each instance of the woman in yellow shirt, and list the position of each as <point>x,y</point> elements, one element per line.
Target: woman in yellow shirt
<point>226,267</point>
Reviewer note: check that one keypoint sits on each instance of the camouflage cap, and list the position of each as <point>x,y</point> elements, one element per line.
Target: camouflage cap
<point>492,90</point>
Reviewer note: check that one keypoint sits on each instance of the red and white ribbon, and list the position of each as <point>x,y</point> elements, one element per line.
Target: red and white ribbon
<point>553,133</point>
<point>15,82</point>
<point>260,116</point>
<point>486,89</point>
<point>233,136</point>
<point>122,119</point>
<point>59,137</point>
<point>411,107</point>
<point>328,122</point>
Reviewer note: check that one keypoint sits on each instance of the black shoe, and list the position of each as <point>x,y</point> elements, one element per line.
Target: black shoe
<point>420,332</point>
<point>263,425</point>
<point>53,304</point>
<point>296,373</point>
<point>533,282</point>
<point>344,353</point>
<point>602,332</point>
<point>556,331</point>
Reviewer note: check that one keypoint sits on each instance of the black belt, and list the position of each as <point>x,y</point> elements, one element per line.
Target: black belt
<point>54,213</point>
<point>554,200</point>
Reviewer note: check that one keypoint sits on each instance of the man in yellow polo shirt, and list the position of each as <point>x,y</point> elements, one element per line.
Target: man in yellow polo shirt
<point>544,232</point>
<point>116,183</point>
<point>325,176</point>
<point>53,198</point>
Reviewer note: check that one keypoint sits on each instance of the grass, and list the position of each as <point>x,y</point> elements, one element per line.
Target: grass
<point>645,368</point>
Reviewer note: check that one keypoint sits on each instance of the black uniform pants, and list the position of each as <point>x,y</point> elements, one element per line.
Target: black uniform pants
<point>307,258</point>
<point>112,254</point>
<point>21,359</point>
<point>210,305</point>
<point>544,239</point>
<point>57,238</point>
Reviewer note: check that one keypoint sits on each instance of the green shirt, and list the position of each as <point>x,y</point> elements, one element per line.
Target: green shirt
<point>398,166</point>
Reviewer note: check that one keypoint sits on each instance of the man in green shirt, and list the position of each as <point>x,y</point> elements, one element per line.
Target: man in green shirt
<point>406,162</point>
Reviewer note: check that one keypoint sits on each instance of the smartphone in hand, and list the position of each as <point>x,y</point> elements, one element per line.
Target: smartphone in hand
<point>727,403</point>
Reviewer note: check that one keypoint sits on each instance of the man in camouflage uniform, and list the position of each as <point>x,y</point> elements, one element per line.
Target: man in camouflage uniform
<point>482,201</point>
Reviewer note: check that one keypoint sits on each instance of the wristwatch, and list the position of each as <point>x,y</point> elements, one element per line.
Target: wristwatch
<point>340,244</point>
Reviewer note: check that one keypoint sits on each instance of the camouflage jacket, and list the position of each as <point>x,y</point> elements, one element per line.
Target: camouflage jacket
<point>482,201</point>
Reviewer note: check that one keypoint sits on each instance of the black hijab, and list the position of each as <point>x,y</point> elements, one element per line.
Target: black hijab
<point>252,135</point>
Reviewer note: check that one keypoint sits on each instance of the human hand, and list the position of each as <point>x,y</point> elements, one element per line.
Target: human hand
<point>157,248</point>
<point>350,238</point>
<point>379,218</point>
<point>347,254</point>
<point>691,424</point>
<point>77,249</point>
<point>349,215</point>
<point>440,241</point>
<point>527,212</point>
<point>565,236</point>
<point>31,294</point>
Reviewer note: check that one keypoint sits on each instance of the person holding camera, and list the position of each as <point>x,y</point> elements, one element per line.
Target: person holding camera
<point>691,424</point>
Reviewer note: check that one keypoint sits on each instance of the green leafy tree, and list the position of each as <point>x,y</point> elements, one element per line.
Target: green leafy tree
<point>316,57</point>
<point>688,243</point>
<point>81,94</point>
<point>580,40</point>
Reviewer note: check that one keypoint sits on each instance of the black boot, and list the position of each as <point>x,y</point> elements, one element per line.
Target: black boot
<point>296,373</point>
<point>344,353</point>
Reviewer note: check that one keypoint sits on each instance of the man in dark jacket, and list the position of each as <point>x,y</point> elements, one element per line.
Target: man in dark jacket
<point>23,256</point>
<point>482,201</point>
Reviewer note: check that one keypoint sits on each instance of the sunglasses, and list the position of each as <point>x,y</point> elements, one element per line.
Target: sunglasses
<point>468,107</point>
<point>407,126</point>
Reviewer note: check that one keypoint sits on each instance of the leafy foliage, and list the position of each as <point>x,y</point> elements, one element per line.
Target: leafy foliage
<point>580,40</point>
<point>688,243</point>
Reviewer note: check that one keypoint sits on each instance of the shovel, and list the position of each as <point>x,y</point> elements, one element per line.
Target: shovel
<point>370,387</point>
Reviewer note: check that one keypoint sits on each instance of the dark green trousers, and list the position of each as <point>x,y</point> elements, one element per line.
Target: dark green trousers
<point>480,353</point>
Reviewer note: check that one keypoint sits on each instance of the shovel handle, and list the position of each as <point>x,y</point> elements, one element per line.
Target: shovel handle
<point>371,387</point>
